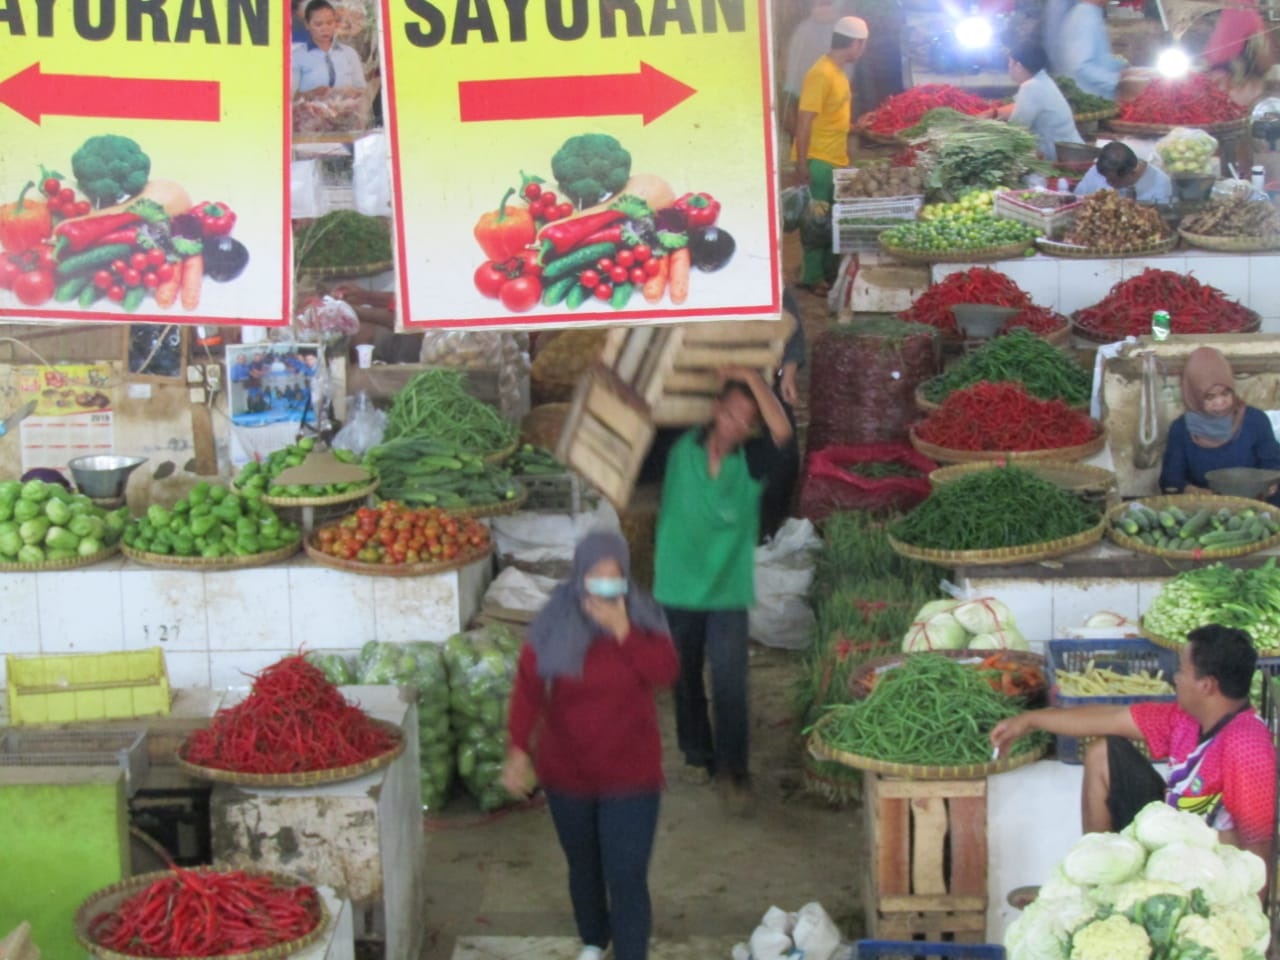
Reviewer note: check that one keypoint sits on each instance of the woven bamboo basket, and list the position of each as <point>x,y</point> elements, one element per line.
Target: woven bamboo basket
<point>821,750</point>
<point>1094,115</point>
<point>947,455</point>
<point>1007,251</point>
<point>1072,251</point>
<point>1085,333</point>
<point>858,679</point>
<point>327,501</point>
<point>1026,553</point>
<point>396,570</point>
<point>307,778</point>
<point>110,898</point>
<point>499,508</point>
<point>1231,244</point>
<point>833,783</point>
<point>70,563</point>
<point>1191,503</point>
<point>204,563</point>
<point>1160,129</point>
<point>1076,477</point>
<point>927,405</point>
<point>1172,644</point>
<point>498,457</point>
<point>880,139</point>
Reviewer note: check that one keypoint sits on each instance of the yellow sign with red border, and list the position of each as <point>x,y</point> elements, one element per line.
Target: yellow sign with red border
<point>581,162</point>
<point>144,174</point>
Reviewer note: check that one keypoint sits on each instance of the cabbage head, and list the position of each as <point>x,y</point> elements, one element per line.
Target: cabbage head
<point>1158,825</point>
<point>1104,858</point>
<point>940,631</point>
<point>1043,930</point>
<point>1246,868</point>
<point>1193,867</point>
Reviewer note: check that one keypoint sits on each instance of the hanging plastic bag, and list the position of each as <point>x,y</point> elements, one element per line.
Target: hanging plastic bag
<point>795,200</point>
<point>815,224</point>
<point>1186,150</point>
<point>306,198</point>
<point>365,428</point>
<point>1147,452</point>
<point>371,175</point>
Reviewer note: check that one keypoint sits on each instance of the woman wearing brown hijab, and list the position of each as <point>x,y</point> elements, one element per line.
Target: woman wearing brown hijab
<point>1217,430</point>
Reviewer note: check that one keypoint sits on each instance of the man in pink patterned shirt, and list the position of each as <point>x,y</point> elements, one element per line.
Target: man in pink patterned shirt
<point>1222,761</point>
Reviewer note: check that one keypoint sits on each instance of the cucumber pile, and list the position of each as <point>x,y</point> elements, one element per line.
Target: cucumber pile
<point>1206,530</point>
<point>420,471</point>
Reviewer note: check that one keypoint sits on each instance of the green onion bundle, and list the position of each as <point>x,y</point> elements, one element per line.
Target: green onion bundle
<point>1248,600</point>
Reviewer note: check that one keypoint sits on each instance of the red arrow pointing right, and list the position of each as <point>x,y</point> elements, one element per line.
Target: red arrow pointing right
<point>649,93</point>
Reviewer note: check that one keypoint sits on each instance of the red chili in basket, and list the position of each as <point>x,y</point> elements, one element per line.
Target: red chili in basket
<point>975,285</point>
<point>294,720</point>
<point>1193,308</point>
<point>1193,99</point>
<point>1039,320</point>
<point>203,913</point>
<point>905,109</point>
<point>1003,416</point>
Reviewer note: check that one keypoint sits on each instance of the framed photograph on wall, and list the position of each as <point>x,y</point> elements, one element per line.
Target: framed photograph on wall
<point>269,383</point>
<point>156,352</point>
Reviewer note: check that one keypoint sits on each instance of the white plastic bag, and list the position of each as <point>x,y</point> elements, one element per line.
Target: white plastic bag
<point>815,934</point>
<point>531,537</point>
<point>306,198</point>
<point>371,175</point>
<point>514,589</point>
<point>364,429</point>
<point>1186,150</point>
<point>782,616</point>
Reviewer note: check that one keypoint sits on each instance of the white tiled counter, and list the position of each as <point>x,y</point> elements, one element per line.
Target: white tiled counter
<point>216,626</point>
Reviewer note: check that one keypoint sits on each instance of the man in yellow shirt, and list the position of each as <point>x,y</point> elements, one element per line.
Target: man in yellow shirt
<point>822,135</point>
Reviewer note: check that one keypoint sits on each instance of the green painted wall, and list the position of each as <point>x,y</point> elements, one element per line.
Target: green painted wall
<point>65,834</point>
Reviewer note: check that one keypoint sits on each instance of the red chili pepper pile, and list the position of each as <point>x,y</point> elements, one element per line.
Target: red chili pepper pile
<point>975,285</point>
<point>293,720</point>
<point>194,913</point>
<point>1191,99</point>
<point>1003,416</point>
<point>1194,307</point>
<point>907,156</point>
<point>904,110</point>
<point>1039,320</point>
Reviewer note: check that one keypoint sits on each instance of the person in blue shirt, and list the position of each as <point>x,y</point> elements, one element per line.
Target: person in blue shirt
<point>1038,105</point>
<point>1086,50</point>
<point>1118,168</point>
<point>323,63</point>
<point>1218,430</point>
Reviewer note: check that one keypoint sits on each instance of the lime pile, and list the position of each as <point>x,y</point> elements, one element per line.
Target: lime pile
<point>969,223</point>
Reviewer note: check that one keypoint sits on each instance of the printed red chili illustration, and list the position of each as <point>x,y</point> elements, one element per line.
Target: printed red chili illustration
<point>75,236</point>
<point>203,913</point>
<point>1003,416</point>
<point>1193,306</point>
<point>293,720</point>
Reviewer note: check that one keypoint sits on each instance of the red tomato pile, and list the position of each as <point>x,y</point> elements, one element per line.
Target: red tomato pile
<point>393,534</point>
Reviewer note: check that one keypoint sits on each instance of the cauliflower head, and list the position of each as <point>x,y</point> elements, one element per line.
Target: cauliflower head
<point>1200,938</point>
<point>1113,938</point>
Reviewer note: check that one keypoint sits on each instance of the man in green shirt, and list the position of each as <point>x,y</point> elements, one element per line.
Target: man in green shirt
<point>704,564</point>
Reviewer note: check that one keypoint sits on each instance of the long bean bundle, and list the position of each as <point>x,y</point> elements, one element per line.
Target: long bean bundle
<point>932,711</point>
<point>436,404</point>
<point>990,509</point>
<point>1019,357</point>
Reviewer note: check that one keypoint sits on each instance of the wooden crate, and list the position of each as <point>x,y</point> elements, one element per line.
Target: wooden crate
<point>928,841</point>
<point>606,434</point>
<point>674,369</point>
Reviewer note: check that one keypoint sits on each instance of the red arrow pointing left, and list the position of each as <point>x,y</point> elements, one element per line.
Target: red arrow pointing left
<point>35,95</point>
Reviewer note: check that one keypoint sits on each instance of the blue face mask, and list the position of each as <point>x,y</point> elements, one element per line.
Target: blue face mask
<point>609,588</point>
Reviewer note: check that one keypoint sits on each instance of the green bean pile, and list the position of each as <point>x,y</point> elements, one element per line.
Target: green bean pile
<point>435,404</point>
<point>931,710</point>
<point>1021,357</point>
<point>991,509</point>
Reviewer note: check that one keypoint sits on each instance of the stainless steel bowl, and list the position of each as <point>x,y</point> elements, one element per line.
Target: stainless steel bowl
<point>1251,482</point>
<point>978,320</point>
<point>103,476</point>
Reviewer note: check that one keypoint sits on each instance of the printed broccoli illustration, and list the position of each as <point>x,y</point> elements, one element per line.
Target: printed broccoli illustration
<point>109,168</point>
<point>590,167</point>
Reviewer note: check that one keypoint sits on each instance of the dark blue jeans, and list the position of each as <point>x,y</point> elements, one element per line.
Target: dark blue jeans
<point>608,842</point>
<point>718,638</point>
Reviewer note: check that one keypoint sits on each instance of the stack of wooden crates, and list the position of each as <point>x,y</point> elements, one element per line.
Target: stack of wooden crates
<point>656,376</point>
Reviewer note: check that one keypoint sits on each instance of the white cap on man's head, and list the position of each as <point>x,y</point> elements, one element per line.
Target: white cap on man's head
<point>853,27</point>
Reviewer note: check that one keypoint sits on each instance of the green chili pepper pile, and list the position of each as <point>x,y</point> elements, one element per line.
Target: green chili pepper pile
<point>932,711</point>
<point>435,404</point>
<point>1022,357</point>
<point>990,509</point>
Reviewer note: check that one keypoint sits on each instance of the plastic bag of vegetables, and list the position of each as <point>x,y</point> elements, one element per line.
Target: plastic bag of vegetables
<point>482,666</point>
<point>338,669</point>
<point>420,666</point>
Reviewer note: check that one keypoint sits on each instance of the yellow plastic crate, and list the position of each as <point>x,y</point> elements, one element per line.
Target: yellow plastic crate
<point>87,686</point>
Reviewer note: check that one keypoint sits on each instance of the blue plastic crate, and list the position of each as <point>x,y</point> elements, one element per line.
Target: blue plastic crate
<point>920,950</point>
<point>1120,655</point>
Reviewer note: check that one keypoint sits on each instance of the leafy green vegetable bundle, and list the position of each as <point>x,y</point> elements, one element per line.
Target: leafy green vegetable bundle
<point>962,153</point>
<point>1246,599</point>
<point>991,509</point>
<point>932,711</point>
<point>1021,357</point>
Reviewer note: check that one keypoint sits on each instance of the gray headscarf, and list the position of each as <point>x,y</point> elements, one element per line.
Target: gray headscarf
<point>561,633</point>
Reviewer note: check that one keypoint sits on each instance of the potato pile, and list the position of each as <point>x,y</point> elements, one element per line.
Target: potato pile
<point>880,180</point>
<point>1108,221</point>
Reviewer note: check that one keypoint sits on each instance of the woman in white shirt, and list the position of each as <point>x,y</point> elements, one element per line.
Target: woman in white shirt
<point>1038,105</point>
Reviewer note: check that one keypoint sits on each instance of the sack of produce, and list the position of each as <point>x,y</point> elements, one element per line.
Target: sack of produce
<point>870,476</point>
<point>338,669</point>
<point>782,616</point>
<point>935,628</point>
<point>1186,150</point>
<point>795,200</point>
<point>481,666</point>
<point>420,666</point>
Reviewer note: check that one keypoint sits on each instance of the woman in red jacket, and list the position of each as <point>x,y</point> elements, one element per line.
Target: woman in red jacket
<point>583,724</point>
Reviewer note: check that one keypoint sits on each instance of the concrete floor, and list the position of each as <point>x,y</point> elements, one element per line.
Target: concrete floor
<point>497,887</point>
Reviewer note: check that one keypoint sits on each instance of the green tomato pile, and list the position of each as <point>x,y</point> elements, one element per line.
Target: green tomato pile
<point>211,522</point>
<point>968,224</point>
<point>42,522</point>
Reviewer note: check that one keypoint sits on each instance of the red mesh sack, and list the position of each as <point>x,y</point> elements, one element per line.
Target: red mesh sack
<point>830,485</point>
